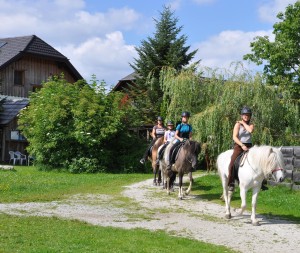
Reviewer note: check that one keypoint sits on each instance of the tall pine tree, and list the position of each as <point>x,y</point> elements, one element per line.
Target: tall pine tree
<point>165,49</point>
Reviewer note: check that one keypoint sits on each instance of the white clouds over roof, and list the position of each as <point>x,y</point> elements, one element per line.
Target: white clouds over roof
<point>99,36</point>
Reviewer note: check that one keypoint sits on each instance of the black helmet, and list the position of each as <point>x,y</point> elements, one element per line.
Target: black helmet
<point>159,118</point>
<point>246,110</point>
<point>170,123</point>
<point>185,114</point>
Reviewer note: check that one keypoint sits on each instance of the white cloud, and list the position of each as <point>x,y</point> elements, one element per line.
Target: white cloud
<point>65,21</point>
<point>93,41</point>
<point>226,48</point>
<point>269,10</point>
<point>108,58</point>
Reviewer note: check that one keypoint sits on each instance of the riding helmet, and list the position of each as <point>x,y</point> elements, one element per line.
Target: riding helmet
<point>246,110</point>
<point>159,118</point>
<point>170,123</point>
<point>185,114</point>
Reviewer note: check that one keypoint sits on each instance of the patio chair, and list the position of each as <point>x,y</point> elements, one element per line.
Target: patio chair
<point>13,157</point>
<point>21,157</point>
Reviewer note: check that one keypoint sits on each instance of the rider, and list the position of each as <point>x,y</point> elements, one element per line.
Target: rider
<point>242,141</point>
<point>183,131</point>
<point>169,135</point>
<point>157,131</point>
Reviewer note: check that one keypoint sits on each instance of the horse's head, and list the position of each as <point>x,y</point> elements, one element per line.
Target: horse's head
<point>277,164</point>
<point>192,150</point>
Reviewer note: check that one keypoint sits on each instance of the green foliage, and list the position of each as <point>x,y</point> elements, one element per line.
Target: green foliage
<point>281,57</point>
<point>68,125</point>
<point>165,48</point>
<point>215,104</point>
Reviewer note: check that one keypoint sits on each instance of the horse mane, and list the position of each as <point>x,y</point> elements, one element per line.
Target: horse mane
<point>267,158</point>
<point>193,146</point>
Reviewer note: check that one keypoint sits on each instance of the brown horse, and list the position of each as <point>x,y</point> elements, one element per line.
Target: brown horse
<point>153,159</point>
<point>186,160</point>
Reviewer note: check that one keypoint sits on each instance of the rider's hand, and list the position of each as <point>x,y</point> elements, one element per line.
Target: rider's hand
<point>244,147</point>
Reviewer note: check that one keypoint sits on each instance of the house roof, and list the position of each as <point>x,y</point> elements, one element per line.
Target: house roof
<point>124,81</point>
<point>14,48</point>
<point>11,107</point>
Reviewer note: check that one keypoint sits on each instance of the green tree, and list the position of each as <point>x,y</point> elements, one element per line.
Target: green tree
<point>215,104</point>
<point>165,48</point>
<point>281,57</point>
<point>71,125</point>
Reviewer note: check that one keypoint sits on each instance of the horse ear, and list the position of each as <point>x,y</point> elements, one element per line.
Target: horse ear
<point>270,151</point>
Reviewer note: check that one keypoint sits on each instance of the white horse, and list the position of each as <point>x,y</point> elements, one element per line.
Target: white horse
<point>260,162</point>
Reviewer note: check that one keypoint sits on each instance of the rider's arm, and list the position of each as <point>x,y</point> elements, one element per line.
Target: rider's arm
<point>249,127</point>
<point>165,136</point>
<point>177,136</point>
<point>153,134</point>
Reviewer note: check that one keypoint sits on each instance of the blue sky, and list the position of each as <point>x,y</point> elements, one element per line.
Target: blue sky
<point>99,36</point>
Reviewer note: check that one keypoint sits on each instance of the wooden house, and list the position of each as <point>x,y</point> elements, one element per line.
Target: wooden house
<point>25,63</point>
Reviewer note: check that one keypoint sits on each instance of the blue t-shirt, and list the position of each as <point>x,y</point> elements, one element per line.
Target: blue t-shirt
<point>184,130</point>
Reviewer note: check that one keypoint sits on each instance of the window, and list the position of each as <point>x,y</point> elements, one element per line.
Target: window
<point>19,77</point>
<point>15,135</point>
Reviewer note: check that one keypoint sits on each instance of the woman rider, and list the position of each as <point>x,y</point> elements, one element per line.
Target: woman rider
<point>157,132</point>
<point>242,141</point>
<point>183,131</point>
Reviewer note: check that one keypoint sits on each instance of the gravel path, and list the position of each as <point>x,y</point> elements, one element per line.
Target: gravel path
<point>152,209</point>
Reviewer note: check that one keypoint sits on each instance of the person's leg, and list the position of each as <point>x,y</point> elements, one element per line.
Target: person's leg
<point>145,156</point>
<point>170,155</point>
<point>236,152</point>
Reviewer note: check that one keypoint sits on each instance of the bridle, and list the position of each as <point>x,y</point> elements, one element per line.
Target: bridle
<point>277,169</point>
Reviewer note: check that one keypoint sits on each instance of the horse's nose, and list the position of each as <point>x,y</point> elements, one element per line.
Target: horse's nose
<point>280,179</point>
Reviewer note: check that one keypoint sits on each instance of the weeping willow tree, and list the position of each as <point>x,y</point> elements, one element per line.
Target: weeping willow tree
<point>215,103</point>
<point>180,91</point>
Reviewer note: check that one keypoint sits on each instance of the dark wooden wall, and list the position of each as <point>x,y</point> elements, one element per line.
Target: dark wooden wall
<point>36,70</point>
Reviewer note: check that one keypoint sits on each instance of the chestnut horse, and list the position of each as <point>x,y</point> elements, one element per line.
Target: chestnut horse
<point>153,158</point>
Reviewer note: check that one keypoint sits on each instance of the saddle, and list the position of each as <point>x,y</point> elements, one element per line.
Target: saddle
<point>239,162</point>
<point>175,152</point>
<point>162,151</point>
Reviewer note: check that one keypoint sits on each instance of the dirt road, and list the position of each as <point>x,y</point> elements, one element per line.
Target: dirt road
<point>153,209</point>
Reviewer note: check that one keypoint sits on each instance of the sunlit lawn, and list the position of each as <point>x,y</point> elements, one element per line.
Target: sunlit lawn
<point>42,234</point>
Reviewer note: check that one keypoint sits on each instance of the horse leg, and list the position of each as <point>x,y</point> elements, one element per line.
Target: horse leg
<point>180,191</point>
<point>154,173</point>
<point>227,197</point>
<point>255,192</point>
<point>187,192</point>
<point>243,193</point>
<point>159,175</point>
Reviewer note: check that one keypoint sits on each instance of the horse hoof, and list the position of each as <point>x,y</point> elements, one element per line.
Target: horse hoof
<point>255,223</point>
<point>228,216</point>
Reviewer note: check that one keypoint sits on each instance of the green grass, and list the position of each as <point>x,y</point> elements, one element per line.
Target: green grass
<point>26,184</point>
<point>36,234</point>
<point>42,234</point>
<point>278,201</point>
